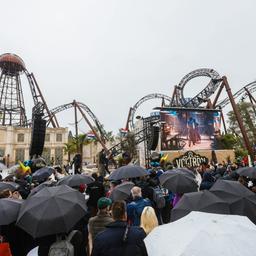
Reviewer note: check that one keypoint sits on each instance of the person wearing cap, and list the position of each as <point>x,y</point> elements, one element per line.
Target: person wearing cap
<point>98,223</point>
<point>120,239</point>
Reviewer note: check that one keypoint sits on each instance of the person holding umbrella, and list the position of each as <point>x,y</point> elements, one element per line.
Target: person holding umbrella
<point>19,241</point>
<point>52,211</point>
<point>98,223</point>
<point>119,239</point>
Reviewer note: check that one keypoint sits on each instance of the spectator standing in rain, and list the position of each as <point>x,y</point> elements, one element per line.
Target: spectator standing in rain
<point>135,208</point>
<point>98,223</point>
<point>119,239</point>
<point>148,220</point>
<point>95,191</point>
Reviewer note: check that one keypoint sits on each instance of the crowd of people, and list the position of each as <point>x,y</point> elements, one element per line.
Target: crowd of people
<point>112,227</point>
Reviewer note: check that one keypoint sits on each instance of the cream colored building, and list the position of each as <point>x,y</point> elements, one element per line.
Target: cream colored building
<point>15,143</point>
<point>91,151</point>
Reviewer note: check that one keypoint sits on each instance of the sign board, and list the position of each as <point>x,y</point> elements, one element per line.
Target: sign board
<point>189,159</point>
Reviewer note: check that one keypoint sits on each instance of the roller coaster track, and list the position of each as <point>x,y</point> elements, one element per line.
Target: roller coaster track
<point>64,107</point>
<point>196,101</point>
<point>242,93</point>
<point>131,117</point>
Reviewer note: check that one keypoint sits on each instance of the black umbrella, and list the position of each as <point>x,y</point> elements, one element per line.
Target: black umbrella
<point>227,189</point>
<point>202,201</point>
<point>9,185</point>
<point>76,180</point>
<point>53,210</point>
<point>122,191</point>
<point>186,172</point>
<point>42,174</point>
<point>178,182</point>
<point>240,199</point>
<point>247,171</point>
<point>48,183</point>
<point>127,171</point>
<point>9,210</point>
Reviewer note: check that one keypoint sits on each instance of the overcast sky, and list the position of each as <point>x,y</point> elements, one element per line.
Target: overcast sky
<point>110,53</point>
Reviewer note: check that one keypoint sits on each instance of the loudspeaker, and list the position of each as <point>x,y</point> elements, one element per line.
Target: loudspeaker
<point>154,136</point>
<point>37,136</point>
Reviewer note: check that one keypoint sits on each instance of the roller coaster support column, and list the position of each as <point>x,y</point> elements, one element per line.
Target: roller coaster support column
<point>128,119</point>
<point>223,121</point>
<point>174,100</point>
<point>91,126</point>
<point>238,117</point>
<point>218,95</point>
<point>252,100</point>
<point>54,119</point>
<point>76,128</point>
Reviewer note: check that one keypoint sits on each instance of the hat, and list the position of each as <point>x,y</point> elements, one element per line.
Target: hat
<point>104,202</point>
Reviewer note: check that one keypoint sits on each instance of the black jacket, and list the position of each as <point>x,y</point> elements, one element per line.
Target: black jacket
<point>95,191</point>
<point>110,242</point>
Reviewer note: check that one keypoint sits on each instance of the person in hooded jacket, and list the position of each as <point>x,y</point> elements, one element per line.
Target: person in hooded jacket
<point>119,239</point>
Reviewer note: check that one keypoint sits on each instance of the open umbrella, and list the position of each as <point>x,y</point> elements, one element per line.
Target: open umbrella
<point>231,188</point>
<point>48,183</point>
<point>186,172</point>
<point>177,182</point>
<point>203,234</point>
<point>9,210</point>
<point>13,168</point>
<point>203,201</point>
<point>240,199</point>
<point>127,171</point>
<point>3,166</point>
<point>53,210</point>
<point>247,171</point>
<point>9,185</point>
<point>75,180</point>
<point>122,191</point>
<point>42,174</point>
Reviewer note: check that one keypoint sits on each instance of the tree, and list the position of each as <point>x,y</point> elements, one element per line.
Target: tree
<point>75,144</point>
<point>109,135</point>
<point>70,148</point>
<point>227,141</point>
<point>80,141</point>
<point>247,113</point>
<point>128,147</point>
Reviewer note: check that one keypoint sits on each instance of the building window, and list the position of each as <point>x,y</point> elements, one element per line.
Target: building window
<point>47,137</point>
<point>19,155</point>
<point>2,158</point>
<point>21,137</point>
<point>58,156</point>
<point>2,150</point>
<point>59,137</point>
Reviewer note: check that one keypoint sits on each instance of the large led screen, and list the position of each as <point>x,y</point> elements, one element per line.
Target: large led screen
<point>189,129</point>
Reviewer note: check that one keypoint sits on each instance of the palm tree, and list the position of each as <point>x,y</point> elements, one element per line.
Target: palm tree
<point>80,141</point>
<point>75,145</point>
<point>70,148</point>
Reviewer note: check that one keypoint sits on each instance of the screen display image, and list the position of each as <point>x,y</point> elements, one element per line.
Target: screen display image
<point>189,129</point>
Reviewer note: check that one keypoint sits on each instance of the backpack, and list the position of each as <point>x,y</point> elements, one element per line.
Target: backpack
<point>63,247</point>
<point>159,197</point>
